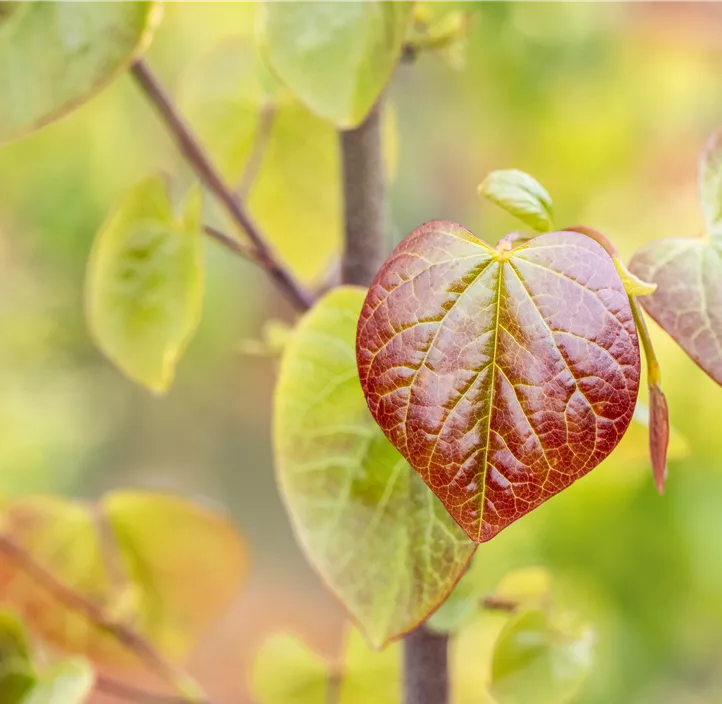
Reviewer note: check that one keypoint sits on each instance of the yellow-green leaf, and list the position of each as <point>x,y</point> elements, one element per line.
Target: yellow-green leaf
<point>335,57</point>
<point>165,566</point>
<point>144,289</point>
<point>56,55</point>
<point>286,671</point>
<point>537,661</point>
<point>381,540</point>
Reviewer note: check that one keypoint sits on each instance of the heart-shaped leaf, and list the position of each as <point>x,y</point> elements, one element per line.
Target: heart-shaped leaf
<point>56,55</point>
<point>502,376</point>
<point>337,57</point>
<point>688,299</point>
<point>144,288</point>
<point>380,539</point>
<point>164,566</point>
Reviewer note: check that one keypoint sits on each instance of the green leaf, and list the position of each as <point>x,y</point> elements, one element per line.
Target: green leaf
<point>369,675</point>
<point>379,538</point>
<point>286,671</point>
<point>710,185</point>
<point>688,300</point>
<point>336,58</point>
<point>166,567</point>
<point>144,289</point>
<point>17,674</point>
<point>522,196</point>
<point>56,55</point>
<point>536,661</point>
<point>70,682</point>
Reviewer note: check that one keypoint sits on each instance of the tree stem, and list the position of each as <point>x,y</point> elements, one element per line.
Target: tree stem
<point>363,197</point>
<point>426,678</point>
<point>426,667</point>
<point>206,171</point>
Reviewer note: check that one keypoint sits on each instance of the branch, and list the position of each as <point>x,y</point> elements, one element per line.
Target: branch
<point>363,196</point>
<point>197,158</point>
<point>426,667</point>
<point>133,641</point>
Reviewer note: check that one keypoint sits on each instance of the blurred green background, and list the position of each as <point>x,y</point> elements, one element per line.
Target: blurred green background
<point>607,105</point>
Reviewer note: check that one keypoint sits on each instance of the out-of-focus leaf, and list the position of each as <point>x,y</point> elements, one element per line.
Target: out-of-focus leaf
<point>17,674</point>
<point>286,671</point>
<point>267,144</point>
<point>710,185</point>
<point>633,447</point>
<point>165,566</point>
<point>501,376</point>
<point>441,31</point>
<point>536,661</point>
<point>69,682</point>
<point>144,290</point>
<point>380,539</point>
<point>336,58</point>
<point>521,195</point>
<point>369,675</point>
<point>658,434</point>
<point>688,299</point>
<point>56,55</point>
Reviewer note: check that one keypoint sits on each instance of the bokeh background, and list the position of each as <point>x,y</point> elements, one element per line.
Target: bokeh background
<point>608,106</point>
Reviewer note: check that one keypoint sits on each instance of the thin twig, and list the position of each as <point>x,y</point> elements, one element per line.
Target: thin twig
<point>133,641</point>
<point>232,243</point>
<point>499,603</point>
<point>206,171</point>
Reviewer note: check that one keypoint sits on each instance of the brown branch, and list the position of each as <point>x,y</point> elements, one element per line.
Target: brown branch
<point>206,171</point>
<point>426,667</point>
<point>363,197</point>
<point>232,243</point>
<point>499,603</point>
<point>133,641</point>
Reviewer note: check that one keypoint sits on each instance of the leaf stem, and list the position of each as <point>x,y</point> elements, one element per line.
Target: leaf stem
<point>133,641</point>
<point>654,376</point>
<point>207,172</point>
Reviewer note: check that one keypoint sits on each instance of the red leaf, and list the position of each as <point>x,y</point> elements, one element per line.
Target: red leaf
<point>688,300</point>
<point>502,377</point>
<point>658,434</point>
